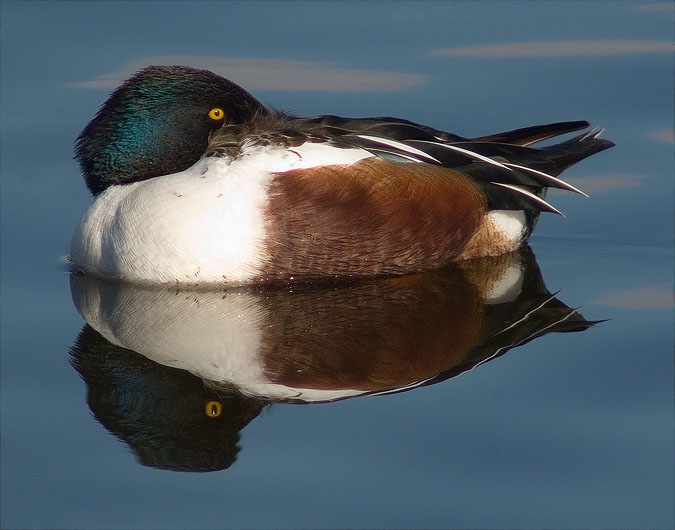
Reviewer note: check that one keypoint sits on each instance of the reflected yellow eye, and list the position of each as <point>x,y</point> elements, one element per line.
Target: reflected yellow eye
<point>213,409</point>
<point>216,114</point>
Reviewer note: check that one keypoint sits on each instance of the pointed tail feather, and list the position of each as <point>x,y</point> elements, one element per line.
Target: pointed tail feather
<point>531,170</point>
<point>576,149</point>
<point>537,133</point>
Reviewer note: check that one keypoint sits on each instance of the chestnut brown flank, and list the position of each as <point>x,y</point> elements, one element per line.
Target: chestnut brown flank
<point>369,218</point>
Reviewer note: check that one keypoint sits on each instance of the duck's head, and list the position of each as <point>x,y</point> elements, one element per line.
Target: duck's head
<point>158,122</point>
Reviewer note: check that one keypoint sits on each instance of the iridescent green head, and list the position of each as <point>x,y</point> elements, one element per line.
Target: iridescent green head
<point>158,122</point>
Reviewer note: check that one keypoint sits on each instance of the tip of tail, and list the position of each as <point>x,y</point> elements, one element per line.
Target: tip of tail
<point>594,133</point>
<point>590,141</point>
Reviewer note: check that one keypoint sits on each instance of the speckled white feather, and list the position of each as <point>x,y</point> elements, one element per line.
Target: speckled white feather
<point>511,223</point>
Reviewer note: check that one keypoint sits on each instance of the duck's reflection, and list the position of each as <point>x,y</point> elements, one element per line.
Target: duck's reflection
<point>177,373</point>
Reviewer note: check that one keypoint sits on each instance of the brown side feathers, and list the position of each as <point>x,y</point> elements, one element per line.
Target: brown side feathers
<point>369,218</point>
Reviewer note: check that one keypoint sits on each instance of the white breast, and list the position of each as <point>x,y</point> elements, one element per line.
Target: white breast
<point>204,224</point>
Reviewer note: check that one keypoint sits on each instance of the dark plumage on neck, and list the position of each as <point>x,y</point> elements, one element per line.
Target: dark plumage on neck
<point>269,127</point>
<point>156,123</point>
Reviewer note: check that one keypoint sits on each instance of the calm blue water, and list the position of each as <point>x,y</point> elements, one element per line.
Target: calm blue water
<point>567,431</point>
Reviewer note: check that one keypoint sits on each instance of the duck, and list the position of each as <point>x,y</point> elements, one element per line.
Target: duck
<point>195,181</point>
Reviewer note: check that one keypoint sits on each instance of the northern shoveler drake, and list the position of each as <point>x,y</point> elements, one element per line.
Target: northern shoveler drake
<point>196,181</point>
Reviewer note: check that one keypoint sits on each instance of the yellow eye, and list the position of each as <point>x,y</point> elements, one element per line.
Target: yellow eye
<point>216,114</point>
<point>213,409</point>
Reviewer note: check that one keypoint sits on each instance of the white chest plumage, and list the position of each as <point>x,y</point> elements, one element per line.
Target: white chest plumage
<point>204,224</point>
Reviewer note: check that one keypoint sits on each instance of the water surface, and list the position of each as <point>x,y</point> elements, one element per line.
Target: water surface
<point>567,430</point>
